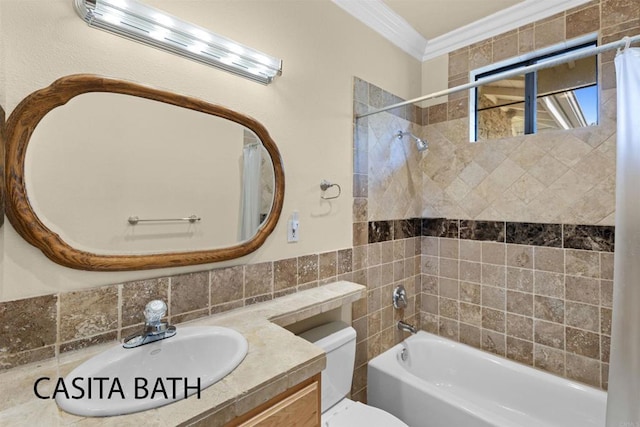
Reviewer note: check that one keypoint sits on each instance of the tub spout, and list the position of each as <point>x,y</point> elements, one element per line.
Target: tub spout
<point>403,326</point>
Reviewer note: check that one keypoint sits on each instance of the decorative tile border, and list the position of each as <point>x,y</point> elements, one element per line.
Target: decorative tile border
<point>568,236</point>
<point>526,233</point>
<point>441,227</point>
<point>589,237</point>
<point>383,231</point>
<point>493,231</point>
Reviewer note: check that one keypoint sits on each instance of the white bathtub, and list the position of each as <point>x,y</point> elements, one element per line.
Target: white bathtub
<point>447,384</point>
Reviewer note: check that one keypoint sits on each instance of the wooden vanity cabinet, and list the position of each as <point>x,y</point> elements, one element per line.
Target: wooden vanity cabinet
<point>297,407</point>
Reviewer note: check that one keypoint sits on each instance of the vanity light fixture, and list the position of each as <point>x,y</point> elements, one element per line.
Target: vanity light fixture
<point>145,24</point>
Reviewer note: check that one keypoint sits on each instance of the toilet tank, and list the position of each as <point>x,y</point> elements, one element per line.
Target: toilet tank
<point>338,340</point>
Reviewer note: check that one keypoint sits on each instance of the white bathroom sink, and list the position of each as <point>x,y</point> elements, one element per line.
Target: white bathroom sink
<point>121,381</point>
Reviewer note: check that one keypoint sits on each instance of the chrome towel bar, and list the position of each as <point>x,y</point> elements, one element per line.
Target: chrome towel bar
<point>133,220</point>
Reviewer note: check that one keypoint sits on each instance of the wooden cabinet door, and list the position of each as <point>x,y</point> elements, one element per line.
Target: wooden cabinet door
<point>300,409</point>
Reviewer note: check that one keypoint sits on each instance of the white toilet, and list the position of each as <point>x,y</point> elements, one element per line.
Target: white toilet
<point>338,340</point>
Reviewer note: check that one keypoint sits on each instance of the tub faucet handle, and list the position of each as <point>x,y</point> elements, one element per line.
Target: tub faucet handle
<point>399,297</point>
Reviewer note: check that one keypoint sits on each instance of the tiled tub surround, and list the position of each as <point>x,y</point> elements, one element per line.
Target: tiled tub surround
<point>539,294</point>
<point>560,176</point>
<point>276,361</point>
<point>557,176</point>
<point>39,328</point>
<point>388,186</point>
<point>543,180</point>
<point>548,312</point>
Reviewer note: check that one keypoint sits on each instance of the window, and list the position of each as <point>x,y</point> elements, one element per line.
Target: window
<point>561,97</point>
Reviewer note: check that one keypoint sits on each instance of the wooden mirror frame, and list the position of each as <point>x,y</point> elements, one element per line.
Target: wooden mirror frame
<point>21,125</point>
<point>2,145</point>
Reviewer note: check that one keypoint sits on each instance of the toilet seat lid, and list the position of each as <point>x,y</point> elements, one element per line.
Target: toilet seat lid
<point>348,413</point>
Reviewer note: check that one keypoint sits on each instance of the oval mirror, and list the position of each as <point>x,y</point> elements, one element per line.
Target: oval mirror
<point>108,175</point>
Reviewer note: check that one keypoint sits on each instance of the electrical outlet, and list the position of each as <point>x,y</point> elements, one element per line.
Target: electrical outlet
<point>293,228</point>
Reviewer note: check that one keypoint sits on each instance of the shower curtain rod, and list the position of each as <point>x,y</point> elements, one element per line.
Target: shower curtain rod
<point>625,41</point>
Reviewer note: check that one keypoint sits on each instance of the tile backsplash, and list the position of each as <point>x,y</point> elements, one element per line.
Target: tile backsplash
<point>42,327</point>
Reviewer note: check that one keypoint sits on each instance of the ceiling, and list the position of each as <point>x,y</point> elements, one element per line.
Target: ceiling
<point>433,18</point>
<point>430,28</point>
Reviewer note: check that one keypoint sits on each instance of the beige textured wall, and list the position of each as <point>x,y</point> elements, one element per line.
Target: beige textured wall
<point>434,78</point>
<point>308,111</point>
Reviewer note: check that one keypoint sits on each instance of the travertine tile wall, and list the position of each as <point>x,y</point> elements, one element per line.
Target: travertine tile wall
<point>43,327</point>
<point>559,177</point>
<point>611,19</point>
<point>539,294</point>
<point>381,266</point>
<point>545,305</point>
<point>386,253</point>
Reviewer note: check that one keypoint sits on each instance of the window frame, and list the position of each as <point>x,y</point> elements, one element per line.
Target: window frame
<point>585,42</point>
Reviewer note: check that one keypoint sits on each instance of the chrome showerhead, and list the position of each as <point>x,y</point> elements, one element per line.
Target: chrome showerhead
<point>421,144</point>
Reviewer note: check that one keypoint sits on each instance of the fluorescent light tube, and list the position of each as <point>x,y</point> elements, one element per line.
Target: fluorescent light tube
<point>145,24</point>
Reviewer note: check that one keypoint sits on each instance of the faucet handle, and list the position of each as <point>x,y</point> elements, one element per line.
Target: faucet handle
<point>154,311</point>
<point>399,297</point>
<point>154,329</point>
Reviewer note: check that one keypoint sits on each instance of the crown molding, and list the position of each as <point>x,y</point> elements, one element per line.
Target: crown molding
<point>505,20</point>
<point>381,18</point>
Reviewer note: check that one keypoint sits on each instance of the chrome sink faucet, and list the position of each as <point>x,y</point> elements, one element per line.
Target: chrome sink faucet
<point>154,328</point>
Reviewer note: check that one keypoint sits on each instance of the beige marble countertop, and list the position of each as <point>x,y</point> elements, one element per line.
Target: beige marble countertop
<point>277,360</point>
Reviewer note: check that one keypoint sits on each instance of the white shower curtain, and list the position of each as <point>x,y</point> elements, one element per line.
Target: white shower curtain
<point>250,203</point>
<point>623,404</point>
